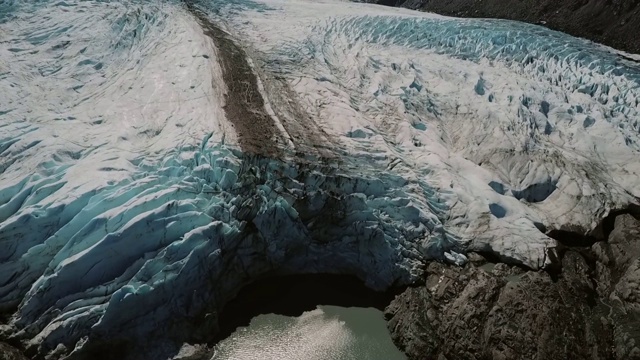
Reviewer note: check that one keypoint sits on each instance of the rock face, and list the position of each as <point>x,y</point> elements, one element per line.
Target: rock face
<point>612,23</point>
<point>591,310</point>
<point>7,352</point>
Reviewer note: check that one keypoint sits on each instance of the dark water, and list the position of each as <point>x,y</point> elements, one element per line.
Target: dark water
<point>326,333</point>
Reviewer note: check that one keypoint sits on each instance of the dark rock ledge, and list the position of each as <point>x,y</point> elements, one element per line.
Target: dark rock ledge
<point>8,352</point>
<point>588,309</point>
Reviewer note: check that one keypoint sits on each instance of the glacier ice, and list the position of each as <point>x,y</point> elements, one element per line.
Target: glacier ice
<point>207,223</point>
<point>128,210</point>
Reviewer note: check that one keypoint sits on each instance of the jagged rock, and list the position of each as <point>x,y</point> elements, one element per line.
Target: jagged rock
<point>618,280</point>
<point>503,312</point>
<point>476,259</point>
<point>8,352</point>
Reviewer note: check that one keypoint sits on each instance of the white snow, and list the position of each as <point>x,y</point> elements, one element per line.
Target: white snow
<point>463,103</point>
<point>101,85</point>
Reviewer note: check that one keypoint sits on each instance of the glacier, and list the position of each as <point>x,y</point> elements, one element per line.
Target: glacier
<point>136,200</point>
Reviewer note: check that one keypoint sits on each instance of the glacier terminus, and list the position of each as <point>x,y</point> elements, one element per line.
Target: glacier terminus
<point>157,156</point>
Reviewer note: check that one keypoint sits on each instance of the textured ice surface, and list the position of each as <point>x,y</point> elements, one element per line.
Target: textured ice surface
<point>127,209</point>
<point>538,126</point>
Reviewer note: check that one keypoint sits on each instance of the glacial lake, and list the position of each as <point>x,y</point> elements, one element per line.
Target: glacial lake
<point>326,333</point>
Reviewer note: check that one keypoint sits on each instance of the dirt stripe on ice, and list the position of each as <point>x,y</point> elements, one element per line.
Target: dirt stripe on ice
<point>244,106</point>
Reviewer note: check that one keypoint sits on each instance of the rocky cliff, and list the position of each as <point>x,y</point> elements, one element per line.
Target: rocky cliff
<point>8,352</point>
<point>590,310</point>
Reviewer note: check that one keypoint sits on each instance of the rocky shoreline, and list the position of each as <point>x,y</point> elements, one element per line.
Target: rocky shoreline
<point>613,23</point>
<point>590,310</point>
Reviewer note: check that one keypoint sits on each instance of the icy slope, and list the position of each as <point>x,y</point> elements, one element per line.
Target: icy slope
<point>132,207</point>
<point>526,126</point>
<point>122,212</point>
